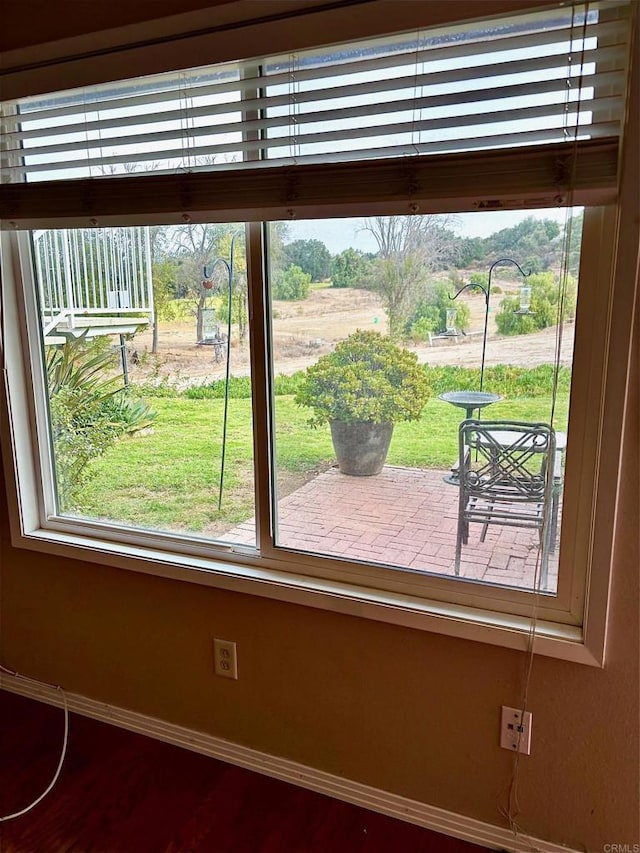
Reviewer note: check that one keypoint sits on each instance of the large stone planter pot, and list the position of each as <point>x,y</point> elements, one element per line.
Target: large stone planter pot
<point>361,447</point>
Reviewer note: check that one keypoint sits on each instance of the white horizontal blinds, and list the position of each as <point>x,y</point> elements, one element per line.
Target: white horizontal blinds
<point>520,80</point>
<point>163,123</point>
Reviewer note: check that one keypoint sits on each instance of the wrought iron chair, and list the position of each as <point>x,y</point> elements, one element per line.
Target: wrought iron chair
<point>507,476</point>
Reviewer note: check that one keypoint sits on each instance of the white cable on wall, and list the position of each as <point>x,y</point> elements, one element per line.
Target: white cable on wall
<point>65,742</point>
<point>511,810</point>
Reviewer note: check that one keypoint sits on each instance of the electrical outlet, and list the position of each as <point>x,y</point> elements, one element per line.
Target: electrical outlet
<point>225,659</point>
<point>515,730</point>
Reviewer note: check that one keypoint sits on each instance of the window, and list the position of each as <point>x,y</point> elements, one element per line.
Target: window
<point>170,350</point>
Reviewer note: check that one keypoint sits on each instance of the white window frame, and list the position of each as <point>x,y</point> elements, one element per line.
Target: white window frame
<point>570,625</point>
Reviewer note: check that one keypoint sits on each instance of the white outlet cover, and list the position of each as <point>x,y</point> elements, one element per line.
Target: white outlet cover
<point>515,730</point>
<point>225,659</point>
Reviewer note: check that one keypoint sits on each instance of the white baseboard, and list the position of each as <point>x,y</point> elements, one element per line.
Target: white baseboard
<point>402,808</point>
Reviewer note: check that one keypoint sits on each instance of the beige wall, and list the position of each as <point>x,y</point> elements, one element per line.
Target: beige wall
<point>29,22</point>
<point>407,711</point>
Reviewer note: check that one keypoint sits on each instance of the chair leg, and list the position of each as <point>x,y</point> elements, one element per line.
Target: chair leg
<point>546,538</point>
<point>544,569</point>
<point>460,538</point>
<point>553,533</point>
<point>485,526</point>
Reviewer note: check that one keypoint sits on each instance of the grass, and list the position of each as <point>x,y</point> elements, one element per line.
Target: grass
<point>431,442</point>
<point>168,477</point>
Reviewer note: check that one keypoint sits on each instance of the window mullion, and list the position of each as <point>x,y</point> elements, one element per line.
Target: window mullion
<point>260,398</point>
<point>255,253</point>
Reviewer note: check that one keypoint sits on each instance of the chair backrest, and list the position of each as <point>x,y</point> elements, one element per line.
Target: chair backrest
<point>506,460</point>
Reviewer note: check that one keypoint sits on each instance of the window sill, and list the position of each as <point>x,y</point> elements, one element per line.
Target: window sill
<point>555,640</point>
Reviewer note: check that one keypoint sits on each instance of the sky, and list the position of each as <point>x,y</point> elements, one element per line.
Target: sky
<point>340,234</point>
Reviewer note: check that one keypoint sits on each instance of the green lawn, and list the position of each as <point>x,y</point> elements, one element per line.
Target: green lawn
<point>168,477</point>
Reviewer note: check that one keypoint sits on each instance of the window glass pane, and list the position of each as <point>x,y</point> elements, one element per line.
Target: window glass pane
<point>344,294</point>
<point>141,328</point>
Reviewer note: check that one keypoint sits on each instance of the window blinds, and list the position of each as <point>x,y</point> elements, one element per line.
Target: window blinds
<point>557,74</point>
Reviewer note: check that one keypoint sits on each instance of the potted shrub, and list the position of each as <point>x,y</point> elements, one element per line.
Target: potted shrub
<point>361,390</point>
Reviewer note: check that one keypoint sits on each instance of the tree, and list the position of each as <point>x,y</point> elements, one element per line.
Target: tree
<point>430,315</point>
<point>163,279</point>
<point>545,311</point>
<point>276,234</point>
<point>574,240</point>
<point>194,247</point>
<point>164,272</point>
<point>350,269</point>
<point>535,243</point>
<point>470,249</point>
<point>291,284</point>
<point>409,248</point>
<point>239,295</point>
<point>312,256</point>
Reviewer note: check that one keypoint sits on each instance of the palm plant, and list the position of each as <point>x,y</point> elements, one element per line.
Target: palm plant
<point>89,410</point>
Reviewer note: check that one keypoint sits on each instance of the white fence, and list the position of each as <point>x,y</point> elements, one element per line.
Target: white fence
<point>86,276</point>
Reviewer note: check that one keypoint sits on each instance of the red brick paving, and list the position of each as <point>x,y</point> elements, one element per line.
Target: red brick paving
<point>403,517</point>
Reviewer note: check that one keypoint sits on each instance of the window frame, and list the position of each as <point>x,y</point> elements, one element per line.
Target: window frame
<point>441,604</point>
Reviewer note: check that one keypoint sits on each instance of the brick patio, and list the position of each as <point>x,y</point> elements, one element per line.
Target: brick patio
<point>404,517</point>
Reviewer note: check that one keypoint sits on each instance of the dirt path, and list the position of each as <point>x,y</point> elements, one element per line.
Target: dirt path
<point>524,350</point>
<point>302,331</point>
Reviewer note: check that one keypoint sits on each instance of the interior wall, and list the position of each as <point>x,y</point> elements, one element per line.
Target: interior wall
<point>407,711</point>
<point>32,22</point>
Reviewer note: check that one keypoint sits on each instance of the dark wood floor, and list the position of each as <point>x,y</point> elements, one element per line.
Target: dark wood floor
<point>121,792</point>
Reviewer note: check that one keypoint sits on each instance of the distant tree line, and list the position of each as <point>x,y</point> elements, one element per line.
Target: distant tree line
<point>408,251</point>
